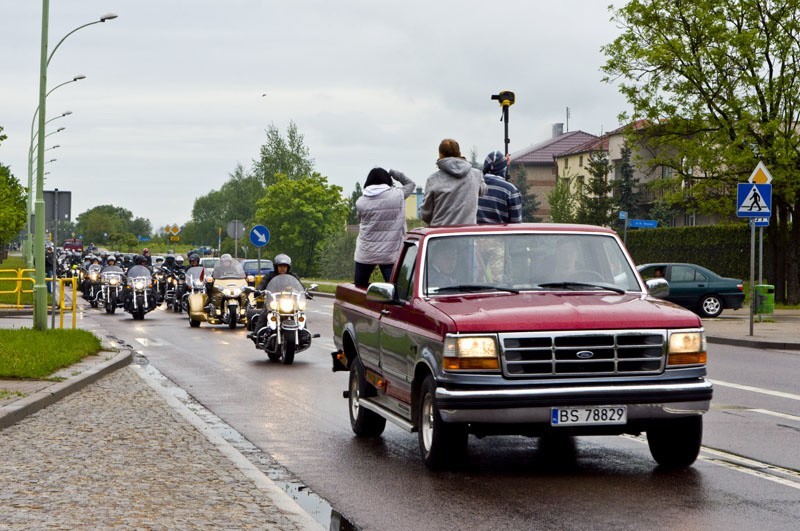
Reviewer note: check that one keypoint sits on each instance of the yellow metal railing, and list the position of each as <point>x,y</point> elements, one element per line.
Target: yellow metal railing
<point>21,279</point>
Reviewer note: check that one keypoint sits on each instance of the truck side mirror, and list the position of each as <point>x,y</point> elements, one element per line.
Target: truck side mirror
<point>382,292</point>
<point>658,287</point>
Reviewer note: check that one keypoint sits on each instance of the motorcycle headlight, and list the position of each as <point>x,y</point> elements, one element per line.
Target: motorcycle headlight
<point>232,292</point>
<point>138,283</point>
<point>93,276</point>
<point>301,304</point>
<point>113,281</point>
<point>286,304</point>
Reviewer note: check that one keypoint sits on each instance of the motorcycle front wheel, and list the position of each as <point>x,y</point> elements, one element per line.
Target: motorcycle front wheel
<point>288,348</point>
<point>232,317</point>
<point>111,304</point>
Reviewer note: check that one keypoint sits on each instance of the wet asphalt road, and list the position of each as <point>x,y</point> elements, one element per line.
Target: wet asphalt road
<point>297,414</point>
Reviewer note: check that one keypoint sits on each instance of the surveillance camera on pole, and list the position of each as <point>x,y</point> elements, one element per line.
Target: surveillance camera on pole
<point>506,100</point>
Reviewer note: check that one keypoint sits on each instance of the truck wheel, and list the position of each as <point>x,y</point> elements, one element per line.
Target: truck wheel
<point>440,443</point>
<point>365,423</point>
<point>710,306</point>
<point>676,443</point>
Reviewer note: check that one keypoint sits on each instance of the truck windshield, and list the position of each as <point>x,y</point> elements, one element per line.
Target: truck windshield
<point>526,261</point>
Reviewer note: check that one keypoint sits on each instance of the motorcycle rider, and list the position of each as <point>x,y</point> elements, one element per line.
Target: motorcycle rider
<point>147,258</point>
<point>283,266</point>
<point>194,260</point>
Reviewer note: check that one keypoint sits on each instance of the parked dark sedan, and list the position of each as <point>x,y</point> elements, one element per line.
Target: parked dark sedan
<point>697,288</point>
<point>251,267</point>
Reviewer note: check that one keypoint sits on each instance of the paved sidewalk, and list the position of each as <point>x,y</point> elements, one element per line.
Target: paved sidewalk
<point>112,449</point>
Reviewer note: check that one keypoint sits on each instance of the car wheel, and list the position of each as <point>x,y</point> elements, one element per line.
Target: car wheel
<point>676,443</point>
<point>440,443</point>
<point>365,423</point>
<point>710,306</point>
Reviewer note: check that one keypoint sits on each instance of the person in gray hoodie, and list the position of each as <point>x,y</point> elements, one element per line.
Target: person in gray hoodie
<point>451,194</point>
<point>382,223</point>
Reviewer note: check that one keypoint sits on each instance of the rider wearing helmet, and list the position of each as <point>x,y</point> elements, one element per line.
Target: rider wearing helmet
<point>147,258</point>
<point>283,265</point>
<point>194,260</point>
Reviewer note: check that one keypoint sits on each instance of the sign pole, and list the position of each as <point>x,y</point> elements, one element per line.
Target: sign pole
<point>752,273</point>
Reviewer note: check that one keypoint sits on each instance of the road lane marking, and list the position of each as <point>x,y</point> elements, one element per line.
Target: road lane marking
<point>770,392</point>
<point>776,414</point>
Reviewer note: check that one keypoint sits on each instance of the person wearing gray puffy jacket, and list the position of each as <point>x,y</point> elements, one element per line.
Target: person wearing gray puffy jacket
<point>451,194</point>
<point>382,223</point>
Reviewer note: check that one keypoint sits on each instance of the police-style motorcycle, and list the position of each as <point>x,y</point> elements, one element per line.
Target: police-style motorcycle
<point>284,333</point>
<point>138,294</point>
<point>112,283</point>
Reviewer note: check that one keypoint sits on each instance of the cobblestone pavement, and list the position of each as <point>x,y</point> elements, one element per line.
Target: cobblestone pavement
<point>116,455</point>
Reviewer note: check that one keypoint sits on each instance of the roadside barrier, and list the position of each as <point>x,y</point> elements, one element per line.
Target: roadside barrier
<point>22,282</point>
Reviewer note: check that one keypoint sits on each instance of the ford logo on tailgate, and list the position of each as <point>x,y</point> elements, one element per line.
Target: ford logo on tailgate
<point>585,354</point>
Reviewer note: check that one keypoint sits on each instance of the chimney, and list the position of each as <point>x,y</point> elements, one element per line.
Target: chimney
<point>558,129</point>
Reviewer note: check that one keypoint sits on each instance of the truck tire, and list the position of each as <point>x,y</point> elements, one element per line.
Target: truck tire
<point>440,443</point>
<point>365,423</point>
<point>676,443</point>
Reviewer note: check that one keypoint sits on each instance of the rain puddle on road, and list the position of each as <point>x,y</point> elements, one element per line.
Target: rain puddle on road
<point>316,506</point>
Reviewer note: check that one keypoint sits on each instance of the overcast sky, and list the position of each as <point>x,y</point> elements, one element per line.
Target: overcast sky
<point>172,99</point>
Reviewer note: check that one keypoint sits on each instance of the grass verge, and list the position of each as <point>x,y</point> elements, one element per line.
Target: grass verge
<point>29,353</point>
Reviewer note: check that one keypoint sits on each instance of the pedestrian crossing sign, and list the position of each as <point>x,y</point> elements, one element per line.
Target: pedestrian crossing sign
<point>754,200</point>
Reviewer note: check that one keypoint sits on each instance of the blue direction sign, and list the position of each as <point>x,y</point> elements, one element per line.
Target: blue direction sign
<point>643,223</point>
<point>760,222</point>
<point>259,236</point>
<point>753,200</point>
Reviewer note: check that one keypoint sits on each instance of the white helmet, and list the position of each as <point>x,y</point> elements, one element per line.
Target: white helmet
<point>282,259</point>
<point>179,259</point>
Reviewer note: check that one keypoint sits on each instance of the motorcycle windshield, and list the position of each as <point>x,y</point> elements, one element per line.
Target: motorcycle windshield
<point>112,269</point>
<point>229,268</point>
<point>282,282</point>
<point>194,274</point>
<point>95,268</point>
<point>138,271</point>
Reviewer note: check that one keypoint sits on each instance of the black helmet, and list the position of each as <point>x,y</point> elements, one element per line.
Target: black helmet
<point>139,260</point>
<point>194,258</point>
<point>282,259</point>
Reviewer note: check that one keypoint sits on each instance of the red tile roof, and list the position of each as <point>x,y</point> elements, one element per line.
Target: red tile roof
<point>542,154</point>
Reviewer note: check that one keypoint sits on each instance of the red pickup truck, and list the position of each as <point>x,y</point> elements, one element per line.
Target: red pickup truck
<point>529,329</point>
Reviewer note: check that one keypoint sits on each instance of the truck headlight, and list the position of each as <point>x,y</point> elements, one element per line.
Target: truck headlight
<point>470,353</point>
<point>687,348</point>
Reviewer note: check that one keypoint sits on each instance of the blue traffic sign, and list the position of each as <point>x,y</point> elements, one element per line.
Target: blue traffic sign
<point>753,200</point>
<point>623,214</point>
<point>760,222</point>
<point>643,223</point>
<point>259,236</point>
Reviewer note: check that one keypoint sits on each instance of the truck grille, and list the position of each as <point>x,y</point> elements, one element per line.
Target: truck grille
<point>571,354</point>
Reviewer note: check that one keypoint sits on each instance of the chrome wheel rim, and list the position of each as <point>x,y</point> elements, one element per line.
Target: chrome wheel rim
<point>426,422</point>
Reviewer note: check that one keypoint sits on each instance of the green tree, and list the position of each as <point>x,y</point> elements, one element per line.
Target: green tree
<point>595,204</point>
<point>530,203</point>
<point>352,214</point>
<point>562,201</point>
<point>301,214</point>
<point>12,205</point>
<point>97,223</point>
<point>287,156</point>
<point>719,82</point>
<point>626,188</point>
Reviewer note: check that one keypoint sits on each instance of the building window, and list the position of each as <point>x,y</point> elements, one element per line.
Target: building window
<point>566,162</point>
<point>580,161</point>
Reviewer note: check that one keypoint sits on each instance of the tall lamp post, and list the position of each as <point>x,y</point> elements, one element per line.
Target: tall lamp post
<point>39,287</point>
<point>28,246</point>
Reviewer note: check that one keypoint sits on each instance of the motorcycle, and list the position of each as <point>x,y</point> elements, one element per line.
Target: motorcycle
<point>194,282</point>
<point>112,280</point>
<point>175,287</point>
<point>285,333</point>
<point>138,296</point>
<point>159,283</point>
<point>91,284</point>
<point>224,300</point>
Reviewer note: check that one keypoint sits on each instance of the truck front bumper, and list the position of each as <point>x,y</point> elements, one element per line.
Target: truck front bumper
<point>523,406</point>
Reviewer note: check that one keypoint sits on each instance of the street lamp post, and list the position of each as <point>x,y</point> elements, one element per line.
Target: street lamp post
<point>28,245</point>
<point>39,287</point>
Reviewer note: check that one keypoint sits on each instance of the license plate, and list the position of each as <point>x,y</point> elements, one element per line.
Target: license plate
<point>588,416</point>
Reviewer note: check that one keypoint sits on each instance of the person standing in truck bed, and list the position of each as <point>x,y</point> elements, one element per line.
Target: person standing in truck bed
<point>451,194</point>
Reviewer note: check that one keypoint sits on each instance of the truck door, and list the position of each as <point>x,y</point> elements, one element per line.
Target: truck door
<point>397,337</point>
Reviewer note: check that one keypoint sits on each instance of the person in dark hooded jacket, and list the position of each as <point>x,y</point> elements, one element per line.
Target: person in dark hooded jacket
<point>451,194</point>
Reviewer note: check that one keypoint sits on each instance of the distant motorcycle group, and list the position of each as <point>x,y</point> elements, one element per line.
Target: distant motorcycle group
<point>274,313</point>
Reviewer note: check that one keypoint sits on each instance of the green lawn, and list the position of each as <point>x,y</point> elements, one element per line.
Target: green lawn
<point>29,353</point>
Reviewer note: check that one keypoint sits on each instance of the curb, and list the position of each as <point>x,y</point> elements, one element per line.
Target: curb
<point>18,410</point>
<point>753,343</point>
